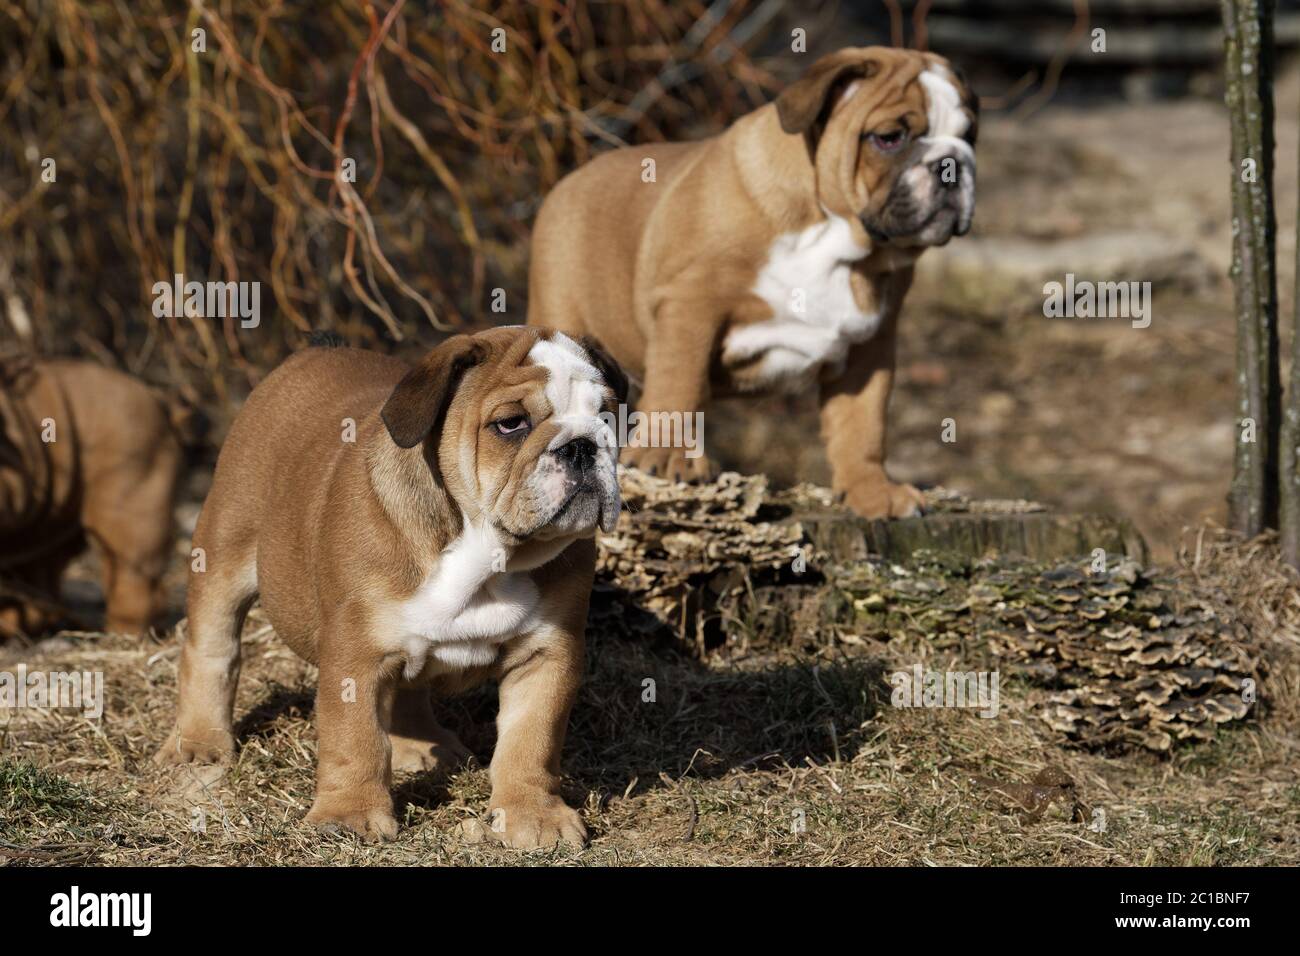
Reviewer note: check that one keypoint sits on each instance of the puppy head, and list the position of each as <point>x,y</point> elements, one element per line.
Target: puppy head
<point>511,421</point>
<point>892,136</point>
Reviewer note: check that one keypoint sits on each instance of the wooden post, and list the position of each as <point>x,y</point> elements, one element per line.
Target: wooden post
<point>1248,71</point>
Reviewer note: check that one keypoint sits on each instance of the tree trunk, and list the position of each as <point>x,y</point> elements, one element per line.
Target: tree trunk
<point>1289,447</point>
<point>1248,70</point>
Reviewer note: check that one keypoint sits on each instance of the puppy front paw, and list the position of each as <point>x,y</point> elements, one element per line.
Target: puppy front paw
<point>882,498</point>
<point>534,821</point>
<point>203,746</point>
<point>670,463</point>
<point>371,821</point>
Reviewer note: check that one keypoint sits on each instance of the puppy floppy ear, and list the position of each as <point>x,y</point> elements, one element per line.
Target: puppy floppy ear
<point>418,403</point>
<point>807,100</point>
<point>610,370</point>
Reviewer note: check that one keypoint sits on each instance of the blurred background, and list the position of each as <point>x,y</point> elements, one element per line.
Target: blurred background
<point>206,139</point>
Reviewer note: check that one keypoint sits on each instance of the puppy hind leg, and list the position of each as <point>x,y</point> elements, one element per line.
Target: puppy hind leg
<point>418,741</point>
<point>131,595</point>
<point>26,608</point>
<point>20,617</point>
<point>11,619</point>
<point>218,602</point>
<point>130,516</point>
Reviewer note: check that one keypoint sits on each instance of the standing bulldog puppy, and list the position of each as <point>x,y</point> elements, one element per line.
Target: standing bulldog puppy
<point>774,256</point>
<point>407,527</point>
<point>86,454</point>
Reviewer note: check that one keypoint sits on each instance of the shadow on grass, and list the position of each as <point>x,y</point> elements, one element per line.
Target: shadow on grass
<point>279,701</point>
<point>646,710</point>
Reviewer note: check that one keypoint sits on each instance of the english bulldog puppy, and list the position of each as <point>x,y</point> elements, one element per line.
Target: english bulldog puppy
<point>87,454</point>
<point>773,256</point>
<point>410,529</point>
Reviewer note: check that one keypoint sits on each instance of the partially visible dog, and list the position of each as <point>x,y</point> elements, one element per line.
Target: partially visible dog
<point>86,454</point>
<point>407,527</point>
<point>772,257</point>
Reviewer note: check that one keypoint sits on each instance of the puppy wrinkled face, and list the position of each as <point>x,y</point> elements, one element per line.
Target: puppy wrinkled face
<point>533,453</point>
<point>899,147</point>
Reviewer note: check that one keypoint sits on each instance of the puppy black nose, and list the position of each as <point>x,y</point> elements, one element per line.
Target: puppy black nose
<point>579,453</point>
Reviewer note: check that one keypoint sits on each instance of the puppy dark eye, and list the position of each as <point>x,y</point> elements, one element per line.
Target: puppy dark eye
<point>513,425</point>
<point>888,142</point>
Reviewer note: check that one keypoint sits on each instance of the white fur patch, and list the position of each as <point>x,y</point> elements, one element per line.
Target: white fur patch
<point>815,318</point>
<point>575,390</point>
<point>467,606</point>
<point>947,119</point>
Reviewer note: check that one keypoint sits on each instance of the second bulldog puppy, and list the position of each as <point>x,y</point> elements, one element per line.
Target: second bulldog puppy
<point>774,256</point>
<point>87,454</point>
<point>407,527</point>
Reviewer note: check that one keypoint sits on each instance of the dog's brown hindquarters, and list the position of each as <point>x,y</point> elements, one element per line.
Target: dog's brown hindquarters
<point>86,454</point>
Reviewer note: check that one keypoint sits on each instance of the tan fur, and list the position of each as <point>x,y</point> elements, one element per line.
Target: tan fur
<point>337,537</point>
<point>109,475</point>
<point>662,272</point>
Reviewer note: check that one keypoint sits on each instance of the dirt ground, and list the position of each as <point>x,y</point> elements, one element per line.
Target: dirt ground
<point>795,757</point>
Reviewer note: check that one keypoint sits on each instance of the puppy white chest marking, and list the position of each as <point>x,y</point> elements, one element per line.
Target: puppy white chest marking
<point>815,318</point>
<point>467,606</point>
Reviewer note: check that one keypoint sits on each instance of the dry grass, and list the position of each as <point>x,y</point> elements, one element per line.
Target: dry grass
<point>719,769</point>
